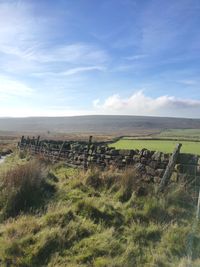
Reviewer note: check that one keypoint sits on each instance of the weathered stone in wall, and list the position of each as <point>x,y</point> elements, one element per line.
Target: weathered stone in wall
<point>150,171</point>
<point>128,159</point>
<point>101,149</point>
<point>161,165</point>
<point>156,156</point>
<point>143,160</point>
<point>154,164</point>
<point>146,153</point>
<point>147,178</point>
<point>136,158</point>
<point>140,153</point>
<point>140,167</point>
<point>114,152</point>
<point>160,172</point>
<point>165,158</point>
<point>126,152</point>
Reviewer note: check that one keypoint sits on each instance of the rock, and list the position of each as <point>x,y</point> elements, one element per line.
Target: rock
<point>128,159</point>
<point>136,158</point>
<point>6,151</point>
<point>153,164</point>
<point>165,158</point>
<point>160,172</point>
<point>140,167</point>
<point>161,165</point>
<point>146,153</point>
<point>150,171</point>
<point>141,152</point>
<point>143,160</point>
<point>114,152</point>
<point>126,152</point>
<point>156,156</point>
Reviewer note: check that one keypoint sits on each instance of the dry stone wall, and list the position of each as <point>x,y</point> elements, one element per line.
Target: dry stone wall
<point>150,164</point>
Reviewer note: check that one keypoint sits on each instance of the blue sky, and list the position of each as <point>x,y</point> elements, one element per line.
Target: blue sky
<point>75,57</point>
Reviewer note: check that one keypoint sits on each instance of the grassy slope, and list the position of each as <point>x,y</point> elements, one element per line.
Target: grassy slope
<point>158,145</point>
<point>97,219</point>
<point>189,134</point>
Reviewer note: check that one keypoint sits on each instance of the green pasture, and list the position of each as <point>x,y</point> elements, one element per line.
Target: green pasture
<point>166,146</point>
<point>191,134</point>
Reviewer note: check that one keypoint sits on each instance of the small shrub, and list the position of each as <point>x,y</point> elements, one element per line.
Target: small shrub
<point>107,214</point>
<point>179,197</point>
<point>155,210</point>
<point>129,182</point>
<point>23,187</point>
<point>97,245</point>
<point>93,179</point>
<point>59,215</point>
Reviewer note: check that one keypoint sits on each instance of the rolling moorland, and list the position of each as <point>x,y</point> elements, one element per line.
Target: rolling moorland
<point>115,125</point>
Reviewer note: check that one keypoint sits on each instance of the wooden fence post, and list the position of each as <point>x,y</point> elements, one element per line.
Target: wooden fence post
<point>59,153</point>
<point>170,168</point>
<point>198,207</point>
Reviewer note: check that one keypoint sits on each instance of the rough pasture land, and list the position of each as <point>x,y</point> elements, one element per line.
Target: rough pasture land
<point>69,217</point>
<point>187,134</point>
<point>166,146</point>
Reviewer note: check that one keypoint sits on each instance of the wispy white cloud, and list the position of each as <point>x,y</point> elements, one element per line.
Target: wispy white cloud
<point>74,53</point>
<point>23,44</point>
<point>140,104</point>
<point>136,57</point>
<point>12,88</point>
<point>189,82</point>
<point>71,71</point>
<point>82,69</point>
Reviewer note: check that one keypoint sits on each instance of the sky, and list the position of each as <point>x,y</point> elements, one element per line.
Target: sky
<point>83,57</point>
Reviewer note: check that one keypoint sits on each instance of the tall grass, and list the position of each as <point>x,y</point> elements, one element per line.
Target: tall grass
<point>94,219</point>
<point>22,188</point>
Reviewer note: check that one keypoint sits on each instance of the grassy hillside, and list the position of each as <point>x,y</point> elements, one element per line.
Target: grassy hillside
<point>58,216</point>
<point>118,125</point>
<point>188,134</point>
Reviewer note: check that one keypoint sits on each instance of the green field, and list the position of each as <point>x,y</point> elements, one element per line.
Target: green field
<point>189,134</point>
<point>158,145</point>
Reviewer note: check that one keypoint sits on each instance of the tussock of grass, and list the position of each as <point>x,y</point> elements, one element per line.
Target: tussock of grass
<point>23,187</point>
<point>93,218</point>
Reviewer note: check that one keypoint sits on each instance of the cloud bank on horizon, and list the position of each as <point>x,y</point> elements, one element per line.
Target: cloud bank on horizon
<point>64,58</point>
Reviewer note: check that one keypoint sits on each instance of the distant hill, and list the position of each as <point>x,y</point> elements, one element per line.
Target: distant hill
<point>96,124</point>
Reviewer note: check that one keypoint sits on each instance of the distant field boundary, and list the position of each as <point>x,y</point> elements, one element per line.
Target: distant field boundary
<point>154,138</point>
<point>165,145</point>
